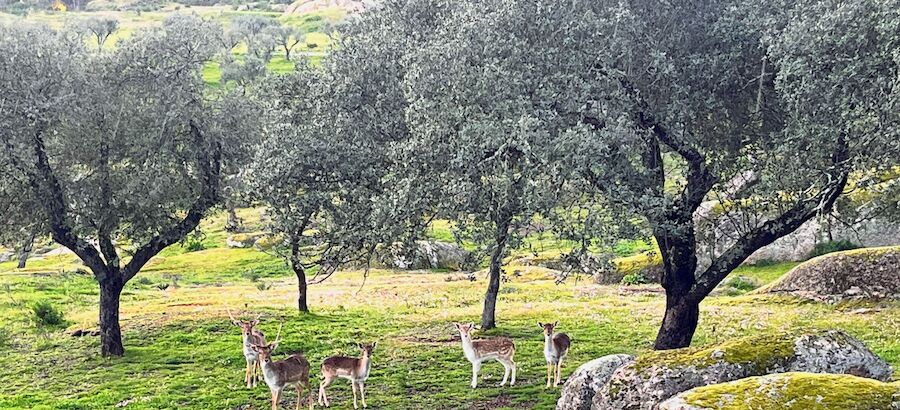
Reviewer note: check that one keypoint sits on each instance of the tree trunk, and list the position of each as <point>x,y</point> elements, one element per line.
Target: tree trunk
<point>302,286</point>
<point>297,267</point>
<point>26,251</point>
<point>488,318</point>
<point>110,333</point>
<point>233,223</point>
<point>679,323</point>
<point>677,245</point>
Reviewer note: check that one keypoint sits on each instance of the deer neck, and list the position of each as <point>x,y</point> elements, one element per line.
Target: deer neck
<point>468,347</point>
<point>363,365</point>
<point>548,343</point>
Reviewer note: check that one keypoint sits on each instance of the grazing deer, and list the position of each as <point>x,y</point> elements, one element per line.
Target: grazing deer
<point>556,347</point>
<point>250,337</point>
<point>356,369</point>
<point>294,370</point>
<point>477,351</point>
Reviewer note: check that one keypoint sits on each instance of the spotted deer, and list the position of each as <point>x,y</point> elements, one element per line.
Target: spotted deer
<point>500,349</point>
<point>356,369</point>
<point>291,371</point>
<point>250,337</point>
<point>556,347</point>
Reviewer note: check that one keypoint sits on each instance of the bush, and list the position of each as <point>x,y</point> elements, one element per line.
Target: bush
<point>634,279</point>
<point>253,275</point>
<point>832,246</point>
<point>47,315</point>
<point>143,280</point>
<point>194,244</point>
<point>263,286</point>
<point>739,285</point>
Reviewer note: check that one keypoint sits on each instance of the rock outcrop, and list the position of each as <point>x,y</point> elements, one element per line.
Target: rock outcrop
<point>791,391</point>
<point>855,274</point>
<point>657,376</point>
<point>583,384</point>
<point>426,255</point>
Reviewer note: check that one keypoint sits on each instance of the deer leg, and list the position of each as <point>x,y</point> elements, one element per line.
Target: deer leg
<point>353,383</point>
<point>362,393</point>
<point>549,367</point>
<point>475,368</point>
<point>505,372</point>
<point>558,372</point>
<point>276,396</point>
<point>299,395</point>
<point>323,397</point>
<point>513,365</point>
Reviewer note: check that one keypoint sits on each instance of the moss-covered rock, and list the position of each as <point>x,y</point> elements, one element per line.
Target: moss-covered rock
<point>853,274</point>
<point>583,384</point>
<point>657,376</point>
<point>801,391</point>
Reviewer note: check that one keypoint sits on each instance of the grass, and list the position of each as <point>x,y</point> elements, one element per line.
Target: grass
<point>182,351</point>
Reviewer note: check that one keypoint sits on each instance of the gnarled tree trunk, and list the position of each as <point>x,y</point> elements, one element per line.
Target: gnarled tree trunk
<point>26,251</point>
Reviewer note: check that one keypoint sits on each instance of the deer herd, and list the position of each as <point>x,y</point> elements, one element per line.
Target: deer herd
<point>295,369</point>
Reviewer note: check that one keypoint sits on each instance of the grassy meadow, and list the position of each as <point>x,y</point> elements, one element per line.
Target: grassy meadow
<point>183,352</point>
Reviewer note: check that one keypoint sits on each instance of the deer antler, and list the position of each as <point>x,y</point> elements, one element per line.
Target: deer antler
<point>229,313</point>
<point>278,336</point>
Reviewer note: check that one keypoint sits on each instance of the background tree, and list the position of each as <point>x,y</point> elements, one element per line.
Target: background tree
<point>117,153</point>
<point>286,37</point>
<point>318,179</point>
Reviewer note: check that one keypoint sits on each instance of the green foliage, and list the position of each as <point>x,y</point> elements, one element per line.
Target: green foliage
<point>738,285</point>
<point>635,278</point>
<point>194,244</point>
<point>822,248</point>
<point>46,314</point>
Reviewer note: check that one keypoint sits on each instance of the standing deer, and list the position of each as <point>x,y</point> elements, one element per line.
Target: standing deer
<point>294,370</point>
<point>250,337</point>
<point>356,369</point>
<point>477,351</point>
<point>556,347</point>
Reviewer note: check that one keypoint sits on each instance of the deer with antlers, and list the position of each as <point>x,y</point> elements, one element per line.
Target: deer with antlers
<point>500,349</point>
<point>251,336</point>
<point>291,371</point>
<point>556,347</point>
<point>356,369</point>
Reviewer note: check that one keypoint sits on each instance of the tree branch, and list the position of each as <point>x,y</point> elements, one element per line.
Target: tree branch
<point>209,163</point>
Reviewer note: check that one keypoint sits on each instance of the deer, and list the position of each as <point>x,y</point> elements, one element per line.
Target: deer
<point>356,369</point>
<point>291,371</point>
<point>250,337</point>
<point>556,347</point>
<point>500,349</point>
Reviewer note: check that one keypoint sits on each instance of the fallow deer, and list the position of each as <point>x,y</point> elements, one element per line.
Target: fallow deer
<point>356,369</point>
<point>477,351</point>
<point>556,347</point>
<point>292,371</point>
<point>250,337</point>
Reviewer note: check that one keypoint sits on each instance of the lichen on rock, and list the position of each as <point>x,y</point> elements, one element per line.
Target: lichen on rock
<point>583,384</point>
<point>797,390</point>
<point>657,376</point>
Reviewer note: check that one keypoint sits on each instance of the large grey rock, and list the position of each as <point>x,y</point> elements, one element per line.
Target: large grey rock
<point>791,391</point>
<point>657,376</point>
<point>426,255</point>
<point>855,274</point>
<point>583,384</point>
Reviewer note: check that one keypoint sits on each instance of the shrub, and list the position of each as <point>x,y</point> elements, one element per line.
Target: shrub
<point>739,285</point>
<point>48,315</point>
<point>143,280</point>
<point>194,244</point>
<point>634,279</point>
<point>832,246</point>
<point>253,275</point>
<point>162,286</point>
<point>263,286</point>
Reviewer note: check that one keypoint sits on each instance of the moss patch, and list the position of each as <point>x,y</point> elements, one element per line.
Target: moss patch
<point>806,391</point>
<point>760,351</point>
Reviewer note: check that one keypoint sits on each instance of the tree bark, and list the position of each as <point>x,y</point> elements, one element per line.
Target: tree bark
<point>297,267</point>
<point>679,322</point>
<point>233,222</point>
<point>26,251</point>
<point>110,333</point>
<point>488,314</point>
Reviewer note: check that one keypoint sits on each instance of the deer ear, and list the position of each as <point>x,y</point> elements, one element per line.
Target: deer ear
<point>556,323</point>
<point>273,346</point>
<point>254,322</point>
<point>455,324</point>
<point>373,345</point>
<point>540,324</point>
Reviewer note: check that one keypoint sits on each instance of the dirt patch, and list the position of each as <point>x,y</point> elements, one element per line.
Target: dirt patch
<point>502,400</point>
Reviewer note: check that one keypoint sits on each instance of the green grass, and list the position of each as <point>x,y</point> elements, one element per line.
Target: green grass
<point>182,352</point>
